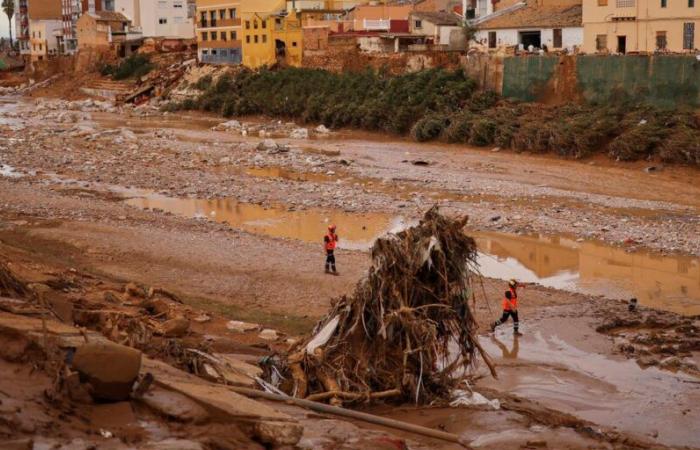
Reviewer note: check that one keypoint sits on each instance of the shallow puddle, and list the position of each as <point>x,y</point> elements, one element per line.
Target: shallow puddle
<point>286,174</point>
<point>356,230</point>
<point>562,374</point>
<point>669,283</point>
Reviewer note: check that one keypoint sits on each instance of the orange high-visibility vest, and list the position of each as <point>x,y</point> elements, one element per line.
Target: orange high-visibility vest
<point>331,241</point>
<point>507,304</point>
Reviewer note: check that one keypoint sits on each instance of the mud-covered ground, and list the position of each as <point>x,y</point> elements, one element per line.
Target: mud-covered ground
<point>88,187</point>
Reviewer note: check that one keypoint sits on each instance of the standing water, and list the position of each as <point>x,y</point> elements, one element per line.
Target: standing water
<point>669,283</point>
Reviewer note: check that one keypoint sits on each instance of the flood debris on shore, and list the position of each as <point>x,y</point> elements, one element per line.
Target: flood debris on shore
<point>394,337</point>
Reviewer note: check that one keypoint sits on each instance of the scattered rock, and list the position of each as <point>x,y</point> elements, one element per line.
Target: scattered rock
<point>230,125</point>
<point>128,134</point>
<point>110,369</point>
<point>112,297</point>
<point>177,327</point>
<point>299,133</point>
<point>268,335</point>
<point>420,162</point>
<point>133,290</point>
<point>321,129</point>
<point>236,325</point>
<point>202,318</point>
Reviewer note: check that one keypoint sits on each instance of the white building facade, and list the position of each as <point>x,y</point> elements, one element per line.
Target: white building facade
<point>159,18</point>
<point>43,41</point>
<point>567,38</point>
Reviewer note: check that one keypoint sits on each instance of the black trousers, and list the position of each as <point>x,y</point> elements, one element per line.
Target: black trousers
<point>330,260</point>
<point>504,319</point>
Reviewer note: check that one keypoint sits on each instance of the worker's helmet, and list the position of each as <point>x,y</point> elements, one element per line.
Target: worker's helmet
<point>513,283</point>
<point>331,227</point>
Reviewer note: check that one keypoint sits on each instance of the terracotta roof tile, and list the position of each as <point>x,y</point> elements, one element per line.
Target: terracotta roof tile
<point>536,17</point>
<point>438,18</point>
<point>111,16</point>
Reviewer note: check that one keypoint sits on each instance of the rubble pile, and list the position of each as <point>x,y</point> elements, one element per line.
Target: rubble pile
<point>91,348</point>
<point>405,329</point>
<point>158,82</point>
<point>272,129</point>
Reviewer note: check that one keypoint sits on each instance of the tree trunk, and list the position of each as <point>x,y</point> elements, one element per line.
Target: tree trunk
<point>9,20</point>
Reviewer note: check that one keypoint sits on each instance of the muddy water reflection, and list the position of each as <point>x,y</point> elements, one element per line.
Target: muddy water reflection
<point>561,373</point>
<point>356,230</point>
<point>664,282</point>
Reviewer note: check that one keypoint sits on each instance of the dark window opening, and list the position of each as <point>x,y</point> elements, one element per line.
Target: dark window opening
<point>492,39</point>
<point>661,40</point>
<point>688,36</point>
<point>601,42</point>
<point>557,38</point>
<point>528,38</point>
<point>622,44</point>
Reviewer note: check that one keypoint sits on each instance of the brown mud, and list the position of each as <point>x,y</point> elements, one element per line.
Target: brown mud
<point>73,218</point>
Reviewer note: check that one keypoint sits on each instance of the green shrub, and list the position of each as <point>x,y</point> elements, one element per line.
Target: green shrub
<point>203,83</point>
<point>438,103</point>
<point>460,128</point>
<point>135,66</point>
<point>430,127</point>
<point>483,132</point>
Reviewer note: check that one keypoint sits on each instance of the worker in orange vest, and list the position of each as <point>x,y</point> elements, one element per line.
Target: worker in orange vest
<point>330,241</point>
<point>510,309</point>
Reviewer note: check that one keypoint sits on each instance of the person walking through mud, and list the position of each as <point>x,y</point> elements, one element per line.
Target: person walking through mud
<point>330,241</point>
<point>510,309</point>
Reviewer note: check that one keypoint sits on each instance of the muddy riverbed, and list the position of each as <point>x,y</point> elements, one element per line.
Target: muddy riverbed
<point>233,222</point>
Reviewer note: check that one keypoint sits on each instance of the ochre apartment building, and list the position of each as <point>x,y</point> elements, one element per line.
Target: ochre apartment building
<point>218,31</point>
<point>629,26</point>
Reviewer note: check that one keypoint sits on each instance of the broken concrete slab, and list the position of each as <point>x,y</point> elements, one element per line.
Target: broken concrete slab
<point>174,405</point>
<point>263,421</point>
<point>111,369</point>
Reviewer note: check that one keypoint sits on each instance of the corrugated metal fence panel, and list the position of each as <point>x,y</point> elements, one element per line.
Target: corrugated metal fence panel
<point>525,77</point>
<point>664,81</point>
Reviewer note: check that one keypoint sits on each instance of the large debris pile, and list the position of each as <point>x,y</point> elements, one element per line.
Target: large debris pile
<point>404,330</point>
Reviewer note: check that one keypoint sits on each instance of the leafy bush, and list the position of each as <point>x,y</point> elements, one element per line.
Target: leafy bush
<point>203,83</point>
<point>442,104</point>
<point>430,127</point>
<point>483,132</point>
<point>135,66</point>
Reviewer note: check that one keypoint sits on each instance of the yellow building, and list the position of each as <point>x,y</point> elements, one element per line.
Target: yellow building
<point>270,34</point>
<point>623,26</point>
<point>218,31</point>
